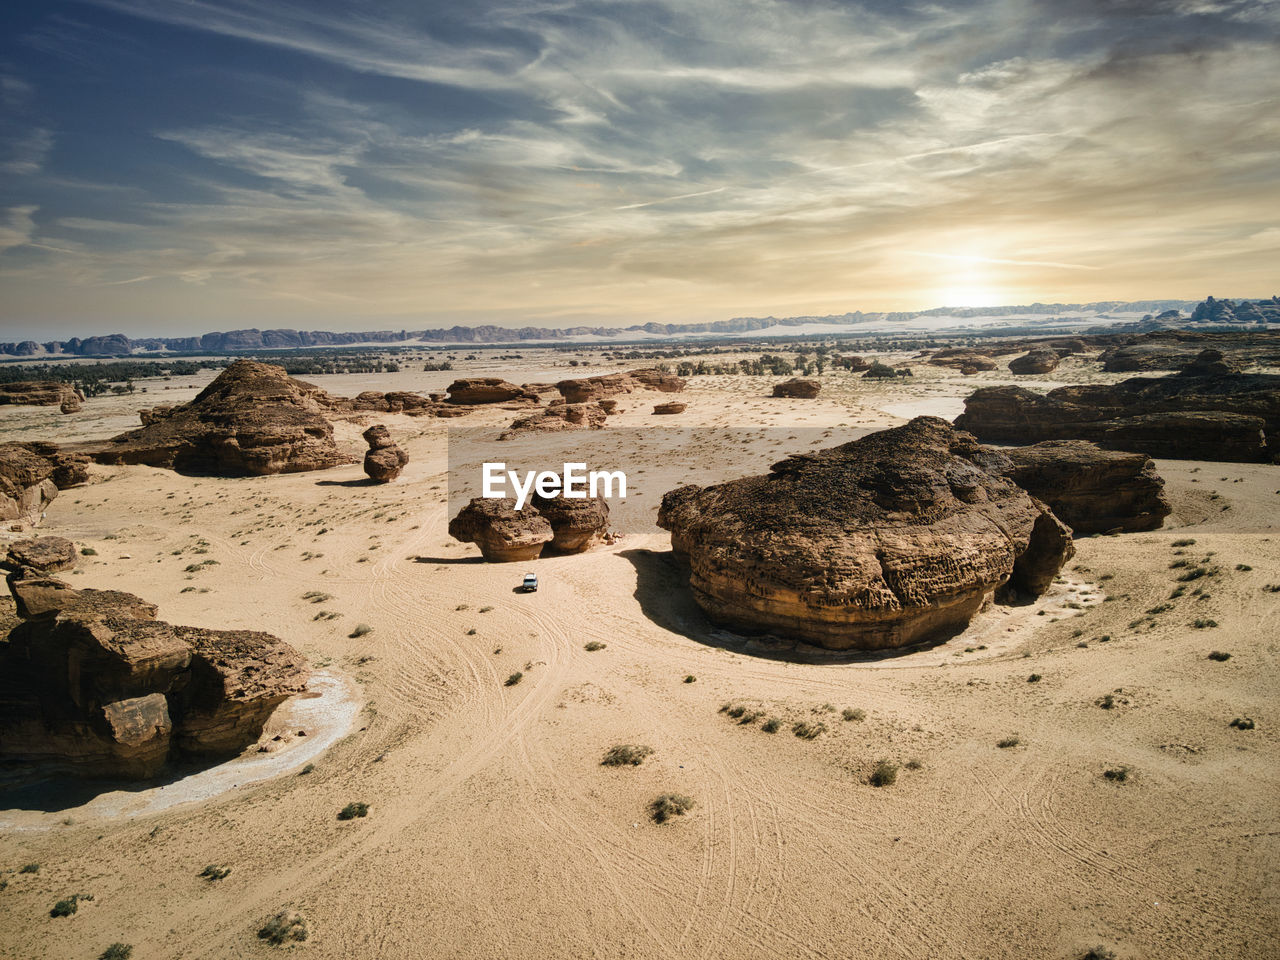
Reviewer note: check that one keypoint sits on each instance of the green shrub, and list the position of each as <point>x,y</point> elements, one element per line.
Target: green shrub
<point>1100,952</point>
<point>593,646</point>
<point>1117,774</point>
<point>690,679</point>
<point>1106,702</point>
<point>1194,574</point>
<point>1008,742</point>
<point>512,680</point>
<point>853,713</point>
<point>1034,678</point>
<point>360,630</point>
<point>1204,622</point>
<point>1184,543</point>
<point>772,725</point>
<point>88,552</point>
<point>215,872</point>
<point>117,951</point>
<point>307,769</point>
<point>1242,723</point>
<point>353,810</point>
<point>885,774</point>
<point>808,731</point>
<point>67,907</point>
<point>284,926</point>
<point>30,868</point>
<point>669,805</point>
<point>626,754</point>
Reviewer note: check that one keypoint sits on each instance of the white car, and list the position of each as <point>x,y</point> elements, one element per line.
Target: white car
<point>530,584</point>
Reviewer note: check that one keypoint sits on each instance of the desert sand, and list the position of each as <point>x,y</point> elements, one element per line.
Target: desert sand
<point>493,830</point>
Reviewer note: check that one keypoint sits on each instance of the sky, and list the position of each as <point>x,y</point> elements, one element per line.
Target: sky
<point>170,167</point>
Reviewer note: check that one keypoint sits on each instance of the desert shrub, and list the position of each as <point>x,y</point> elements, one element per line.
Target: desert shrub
<point>1034,678</point>
<point>669,805</point>
<point>1202,623</point>
<point>316,596</point>
<point>626,754</point>
<point>1116,774</point>
<point>1242,723</point>
<point>1106,702</point>
<point>825,708</point>
<point>1220,656</point>
<point>117,951</point>
<point>808,731</point>
<point>750,716</point>
<point>772,725</point>
<point>885,774</point>
<point>67,907</point>
<point>512,680</point>
<point>594,645</point>
<point>1193,574</point>
<point>736,711</point>
<point>1100,952</point>
<point>215,872</point>
<point>853,713</point>
<point>360,630</point>
<point>1178,564</point>
<point>690,679</point>
<point>284,926</point>
<point>307,769</point>
<point>914,765</point>
<point>1272,588</point>
<point>1242,567</point>
<point>1184,543</point>
<point>1008,742</point>
<point>486,609</point>
<point>1159,608</point>
<point>88,552</point>
<point>353,810</point>
<point>471,632</point>
<point>30,868</point>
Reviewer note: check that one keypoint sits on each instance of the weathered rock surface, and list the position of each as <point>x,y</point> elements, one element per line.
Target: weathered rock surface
<point>31,474</point>
<point>588,389</point>
<point>666,409</point>
<point>892,539</point>
<point>804,389</point>
<point>384,459</point>
<point>655,379</point>
<point>41,393</point>
<point>576,524</point>
<point>558,416</point>
<point>966,361</point>
<point>1233,417</point>
<point>254,419</point>
<point>1090,489</point>
<point>94,685</point>
<point>503,533</point>
<point>1035,361</point>
<point>476,390</point>
<point>42,554</point>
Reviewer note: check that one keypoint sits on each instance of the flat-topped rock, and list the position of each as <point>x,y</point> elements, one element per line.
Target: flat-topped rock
<point>477,390</point>
<point>503,533</point>
<point>42,554</point>
<point>667,409</point>
<point>577,524</point>
<point>41,393</point>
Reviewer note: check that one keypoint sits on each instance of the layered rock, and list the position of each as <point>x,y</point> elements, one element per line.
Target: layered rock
<point>588,389</point>
<point>1218,417</point>
<point>476,390</point>
<point>31,474</point>
<point>253,419</point>
<point>577,524</point>
<point>893,539</point>
<point>795,387</point>
<point>558,416</point>
<point>966,361</point>
<point>42,554</point>
<point>1035,361</point>
<point>94,685</point>
<point>666,409</point>
<point>384,459</point>
<point>1090,489</point>
<point>503,533</point>
<point>661,380</point>
<point>41,393</point>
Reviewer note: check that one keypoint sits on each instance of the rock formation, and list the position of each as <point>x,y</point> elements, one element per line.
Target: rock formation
<point>1188,417</point>
<point>576,524</point>
<point>253,419</point>
<point>41,393</point>
<point>893,539</point>
<point>31,474</point>
<point>795,387</point>
<point>503,533</point>
<point>558,416</point>
<point>1035,361</point>
<point>966,361</point>
<point>655,379</point>
<point>476,390</point>
<point>43,554</point>
<point>92,684</point>
<point>588,389</point>
<point>669,408</point>
<point>384,459</point>
<point>1090,489</point>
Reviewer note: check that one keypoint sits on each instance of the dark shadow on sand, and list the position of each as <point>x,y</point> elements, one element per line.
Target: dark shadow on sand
<point>447,560</point>
<point>662,589</point>
<point>48,789</point>
<point>362,482</point>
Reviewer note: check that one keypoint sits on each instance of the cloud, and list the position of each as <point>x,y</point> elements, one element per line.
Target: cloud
<point>18,228</point>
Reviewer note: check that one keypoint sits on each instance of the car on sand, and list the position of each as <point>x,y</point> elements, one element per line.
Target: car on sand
<point>530,584</point>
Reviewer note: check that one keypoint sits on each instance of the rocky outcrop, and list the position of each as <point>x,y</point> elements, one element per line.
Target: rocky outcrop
<point>661,380</point>
<point>503,533</point>
<point>1187,417</point>
<point>476,390</point>
<point>1035,361</point>
<point>558,416</point>
<point>41,393</point>
<point>94,685</point>
<point>666,409</point>
<point>31,474</point>
<point>577,524</point>
<point>42,554</point>
<point>384,459</point>
<point>890,540</point>
<point>1090,489</point>
<point>588,389</point>
<point>795,387</point>
<point>253,419</point>
<point>966,361</point>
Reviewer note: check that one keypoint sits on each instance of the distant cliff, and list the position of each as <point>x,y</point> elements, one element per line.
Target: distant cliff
<point>252,340</point>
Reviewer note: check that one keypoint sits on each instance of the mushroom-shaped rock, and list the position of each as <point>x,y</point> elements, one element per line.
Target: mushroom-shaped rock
<point>384,459</point>
<point>576,523</point>
<point>1090,489</point>
<point>795,387</point>
<point>1034,361</point>
<point>670,408</point>
<point>502,532</point>
<point>43,554</point>
<point>890,540</point>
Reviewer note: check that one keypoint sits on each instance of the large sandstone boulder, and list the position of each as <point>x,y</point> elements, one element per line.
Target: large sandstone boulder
<point>795,387</point>
<point>576,524</point>
<point>474,390</point>
<point>384,459</point>
<point>966,361</point>
<point>42,554</point>
<point>503,533</point>
<point>1090,489</point>
<point>92,684</point>
<point>890,540</point>
<point>41,393</point>
<point>1232,416</point>
<point>254,419</point>
<point>1035,361</point>
<point>589,389</point>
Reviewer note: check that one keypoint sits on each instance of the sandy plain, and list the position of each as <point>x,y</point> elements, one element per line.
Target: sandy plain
<point>495,832</point>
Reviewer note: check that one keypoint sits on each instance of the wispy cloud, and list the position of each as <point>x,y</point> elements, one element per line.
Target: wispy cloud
<point>970,258</point>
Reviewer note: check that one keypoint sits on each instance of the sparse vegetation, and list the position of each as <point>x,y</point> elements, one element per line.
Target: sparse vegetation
<point>1034,678</point>
<point>593,646</point>
<point>1116,774</point>
<point>669,805</point>
<point>88,552</point>
<point>885,774</point>
<point>690,679</point>
<point>1007,743</point>
<point>215,872</point>
<point>1242,723</point>
<point>626,754</point>
<point>1194,574</point>
<point>360,630</point>
<point>1184,543</point>
<point>353,810</point>
<point>285,926</point>
<point>1220,656</point>
<point>853,713</point>
<point>914,765</point>
<point>307,769</point>
<point>512,680</point>
<point>30,868</point>
<point>1100,952</point>
<point>1106,702</point>
<point>68,907</point>
<point>117,951</point>
<point>772,725</point>
<point>1202,623</point>
<point>807,730</point>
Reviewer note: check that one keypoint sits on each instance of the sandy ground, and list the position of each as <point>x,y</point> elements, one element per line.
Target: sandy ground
<point>495,832</point>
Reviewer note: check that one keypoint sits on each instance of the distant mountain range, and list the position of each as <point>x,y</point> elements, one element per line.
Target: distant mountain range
<point>252,340</point>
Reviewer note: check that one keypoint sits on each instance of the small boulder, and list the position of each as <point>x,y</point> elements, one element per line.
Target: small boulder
<point>1035,361</point>
<point>669,408</point>
<point>804,389</point>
